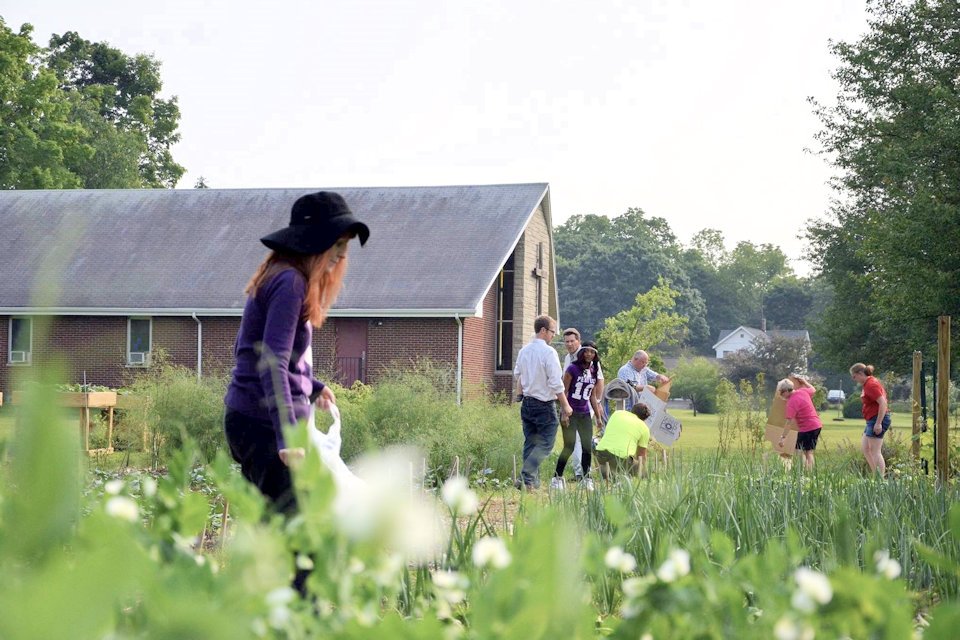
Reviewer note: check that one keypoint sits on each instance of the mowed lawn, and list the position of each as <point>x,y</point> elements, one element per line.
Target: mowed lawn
<point>701,432</point>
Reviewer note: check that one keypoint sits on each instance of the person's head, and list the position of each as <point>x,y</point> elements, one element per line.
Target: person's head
<point>640,359</point>
<point>315,244</point>
<point>545,327</point>
<point>640,410</point>
<point>860,372</point>
<point>785,388</point>
<point>571,340</point>
<point>587,355</point>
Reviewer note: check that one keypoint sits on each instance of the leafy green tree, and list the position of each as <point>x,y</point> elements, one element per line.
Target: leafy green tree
<point>649,322</point>
<point>889,246</point>
<point>775,358</point>
<point>734,284</point>
<point>603,263</point>
<point>787,303</point>
<point>37,138</point>
<point>696,379</point>
<point>124,91</point>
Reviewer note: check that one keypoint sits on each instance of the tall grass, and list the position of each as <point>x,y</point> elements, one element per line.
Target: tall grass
<point>835,517</point>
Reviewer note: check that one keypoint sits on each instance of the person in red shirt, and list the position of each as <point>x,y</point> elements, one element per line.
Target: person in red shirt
<point>801,415</point>
<point>877,414</point>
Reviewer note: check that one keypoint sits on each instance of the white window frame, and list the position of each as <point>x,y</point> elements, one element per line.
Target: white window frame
<point>145,361</point>
<point>28,355</point>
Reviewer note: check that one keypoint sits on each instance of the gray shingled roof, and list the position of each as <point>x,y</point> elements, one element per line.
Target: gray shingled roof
<point>433,249</point>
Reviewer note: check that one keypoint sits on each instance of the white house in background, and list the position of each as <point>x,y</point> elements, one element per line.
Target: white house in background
<point>742,337</point>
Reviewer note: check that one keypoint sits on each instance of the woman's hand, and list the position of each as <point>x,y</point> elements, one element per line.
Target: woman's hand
<point>289,456</point>
<point>326,398</point>
<point>877,428</point>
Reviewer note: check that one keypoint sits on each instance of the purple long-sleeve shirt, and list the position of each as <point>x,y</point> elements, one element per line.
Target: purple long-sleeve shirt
<point>273,378</point>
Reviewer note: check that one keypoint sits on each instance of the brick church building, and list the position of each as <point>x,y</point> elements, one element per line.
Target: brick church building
<point>99,280</point>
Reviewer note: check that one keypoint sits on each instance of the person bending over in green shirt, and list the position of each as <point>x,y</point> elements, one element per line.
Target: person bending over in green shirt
<point>623,447</point>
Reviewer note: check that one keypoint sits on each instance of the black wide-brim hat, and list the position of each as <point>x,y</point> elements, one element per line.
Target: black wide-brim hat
<point>317,221</point>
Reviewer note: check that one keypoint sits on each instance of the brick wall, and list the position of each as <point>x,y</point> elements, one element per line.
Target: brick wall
<point>479,347</point>
<point>95,347</point>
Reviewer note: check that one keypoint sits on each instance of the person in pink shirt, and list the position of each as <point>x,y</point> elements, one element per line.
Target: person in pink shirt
<point>801,415</point>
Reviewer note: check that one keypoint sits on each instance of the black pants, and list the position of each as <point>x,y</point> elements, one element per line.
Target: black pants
<point>254,445</point>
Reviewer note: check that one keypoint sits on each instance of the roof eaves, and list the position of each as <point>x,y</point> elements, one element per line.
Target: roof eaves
<point>126,311</point>
<point>504,258</point>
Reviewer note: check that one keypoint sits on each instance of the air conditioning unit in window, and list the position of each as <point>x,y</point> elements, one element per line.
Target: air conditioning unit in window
<point>19,357</point>
<point>139,358</point>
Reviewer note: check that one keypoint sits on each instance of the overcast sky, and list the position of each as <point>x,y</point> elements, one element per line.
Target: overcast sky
<point>693,110</point>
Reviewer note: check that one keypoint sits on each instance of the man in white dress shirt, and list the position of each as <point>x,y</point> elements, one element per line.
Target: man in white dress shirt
<point>540,383</point>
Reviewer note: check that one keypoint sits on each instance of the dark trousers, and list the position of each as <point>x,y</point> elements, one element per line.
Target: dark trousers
<point>539,433</point>
<point>610,464</point>
<point>253,444</point>
<point>582,424</point>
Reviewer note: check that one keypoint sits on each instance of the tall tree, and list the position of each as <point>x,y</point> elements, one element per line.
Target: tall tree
<point>124,91</point>
<point>893,134</point>
<point>603,263</point>
<point>651,321</point>
<point>734,284</point>
<point>37,138</point>
<point>787,302</point>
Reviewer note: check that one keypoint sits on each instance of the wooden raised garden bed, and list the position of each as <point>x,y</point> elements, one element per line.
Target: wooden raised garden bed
<point>84,401</point>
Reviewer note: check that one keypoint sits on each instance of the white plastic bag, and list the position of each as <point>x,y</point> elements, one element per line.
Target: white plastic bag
<point>328,446</point>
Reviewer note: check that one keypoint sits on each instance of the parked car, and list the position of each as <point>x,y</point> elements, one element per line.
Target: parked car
<point>836,396</point>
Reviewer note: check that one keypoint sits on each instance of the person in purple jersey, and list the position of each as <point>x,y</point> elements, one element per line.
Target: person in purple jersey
<point>579,380</point>
<point>272,386</point>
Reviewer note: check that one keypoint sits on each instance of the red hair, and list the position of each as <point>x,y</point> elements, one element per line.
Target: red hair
<point>323,284</point>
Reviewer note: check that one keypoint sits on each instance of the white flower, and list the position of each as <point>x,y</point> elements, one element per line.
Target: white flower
<point>635,587</point>
<point>278,599</point>
<point>123,508</point>
<point>304,562</point>
<point>490,551</point>
<point>384,505</point>
<point>259,627</point>
<point>886,565</point>
<point>801,601</point>
<point>281,596</point>
<point>279,617</point>
<point>618,560</point>
<point>114,487</point>
<point>149,486</point>
<point>451,586</point>
<point>457,495</point>
<point>676,566</point>
<point>388,573</point>
<point>813,587</point>
<point>786,629</point>
<point>356,565</point>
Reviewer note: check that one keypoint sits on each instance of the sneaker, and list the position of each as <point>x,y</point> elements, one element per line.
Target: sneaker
<point>556,483</point>
<point>588,484</point>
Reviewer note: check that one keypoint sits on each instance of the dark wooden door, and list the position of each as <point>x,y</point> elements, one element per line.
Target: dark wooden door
<point>351,350</point>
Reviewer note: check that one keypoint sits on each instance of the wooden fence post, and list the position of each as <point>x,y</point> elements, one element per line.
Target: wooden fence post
<point>917,430</point>
<point>943,399</point>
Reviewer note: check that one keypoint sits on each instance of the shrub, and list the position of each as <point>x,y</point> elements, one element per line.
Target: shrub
<point>176,406</point>
<point>853,407</point>
<point>418,407</point>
